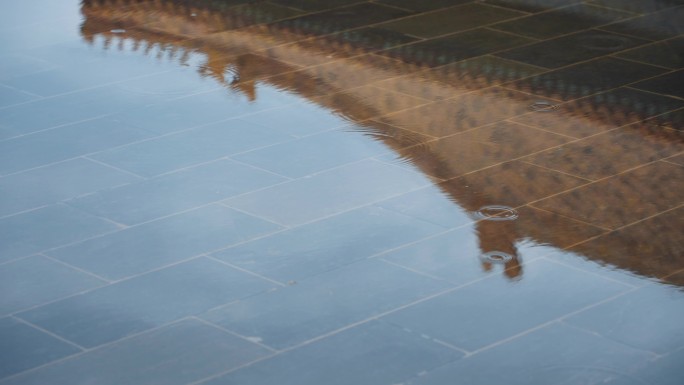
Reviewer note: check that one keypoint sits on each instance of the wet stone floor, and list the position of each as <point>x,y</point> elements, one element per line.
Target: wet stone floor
<point>342,192</point>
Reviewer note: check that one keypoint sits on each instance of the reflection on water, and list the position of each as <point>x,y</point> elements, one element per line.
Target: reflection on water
<point>462,178</point>
<point>184,29</point>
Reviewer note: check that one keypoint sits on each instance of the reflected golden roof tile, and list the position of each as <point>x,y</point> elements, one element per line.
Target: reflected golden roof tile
<point>651,248</point>
<point>623,199</point>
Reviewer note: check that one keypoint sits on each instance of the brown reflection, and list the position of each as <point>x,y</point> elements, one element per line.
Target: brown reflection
<point>497,241</point>
<point>652,248</point>
<point>458,123</point>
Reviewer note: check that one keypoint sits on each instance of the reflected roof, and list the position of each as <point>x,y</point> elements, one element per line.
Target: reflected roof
<point>309,57</point>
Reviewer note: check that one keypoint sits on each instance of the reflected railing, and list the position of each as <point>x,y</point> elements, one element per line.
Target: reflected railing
<point>336,69</point>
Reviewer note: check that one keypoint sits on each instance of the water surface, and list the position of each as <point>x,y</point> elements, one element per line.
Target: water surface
<point>342,192</point>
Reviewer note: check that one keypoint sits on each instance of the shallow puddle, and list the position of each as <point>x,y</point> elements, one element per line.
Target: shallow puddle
<point>342,192</point>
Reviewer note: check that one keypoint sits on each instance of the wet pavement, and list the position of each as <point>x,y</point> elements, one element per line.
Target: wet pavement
<point>342,192</point>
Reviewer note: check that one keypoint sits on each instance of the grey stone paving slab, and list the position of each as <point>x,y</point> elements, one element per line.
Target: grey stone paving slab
<point>50,32</point>
<point>562,21</point>
<point>57,182</point>
<point>10,96</point>
<point>35,280</point>
<point>532,6</point>
<point>505,308</point>
<point>468,253</point>
<point>429,204</point>
<point>314,153</point>
<point>34,231</point>
<point>458,256</point>
<point>46,147</point>
<point>145,302</point>
<point>176,354</point>
<point>173,83</point>
<point>324,303</point>
<point>327,244</point>
<point>656,26</point>
<point>79,76</point>
<point>639,7</point>
<point>650,318</point>
<point>24,347</point>
<point>191,147</point>
<point>665,370</point>
<point>68,108</point>
<point>423,6</point>
<point>178,191</point>
<point>300,120</point>
<point>667,84</point>
<point>571,49</point>
<point>457,47</point>
<point>668,53</point>
<point>158,243</point>
<point>370,354</point>
<point>203,108</point>
<point>329,192</point>
<point>599,75</point>
<point>556,354</point>
<point>14,65</point>
<point>450,20</point>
